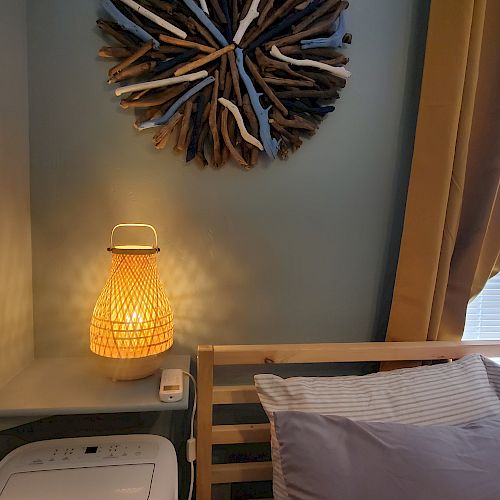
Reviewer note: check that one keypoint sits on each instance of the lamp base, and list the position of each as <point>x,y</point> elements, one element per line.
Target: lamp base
<point>130,368</point>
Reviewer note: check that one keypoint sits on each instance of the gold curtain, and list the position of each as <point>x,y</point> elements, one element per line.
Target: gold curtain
<point>451,236</point>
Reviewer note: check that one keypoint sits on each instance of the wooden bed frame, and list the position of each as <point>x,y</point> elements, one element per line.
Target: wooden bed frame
<point>210,356</point>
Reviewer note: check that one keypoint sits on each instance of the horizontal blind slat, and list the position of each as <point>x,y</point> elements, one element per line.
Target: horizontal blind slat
<point>482,321</point>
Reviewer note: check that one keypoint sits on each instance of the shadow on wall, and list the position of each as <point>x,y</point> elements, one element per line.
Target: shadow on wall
<point>201,293</point>
<point>415,63</point>
<point>16,321</point>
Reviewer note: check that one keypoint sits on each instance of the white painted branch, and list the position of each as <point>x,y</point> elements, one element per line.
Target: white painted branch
<point>161,83</point>
<point>204,7</point>
<point>334,70</point>
<point>252,14</point>
<point>241,124</point>
<point>156,19</point>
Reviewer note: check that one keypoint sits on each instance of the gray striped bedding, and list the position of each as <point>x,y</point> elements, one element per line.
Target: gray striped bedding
<point>451,393</point>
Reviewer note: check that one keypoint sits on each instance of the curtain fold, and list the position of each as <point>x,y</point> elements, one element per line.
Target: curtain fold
<point>451,236</point>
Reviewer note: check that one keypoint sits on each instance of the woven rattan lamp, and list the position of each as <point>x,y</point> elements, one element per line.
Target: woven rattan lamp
<point>132,323</point>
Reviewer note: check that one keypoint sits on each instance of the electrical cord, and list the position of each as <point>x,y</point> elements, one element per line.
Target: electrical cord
<point>191,442</point>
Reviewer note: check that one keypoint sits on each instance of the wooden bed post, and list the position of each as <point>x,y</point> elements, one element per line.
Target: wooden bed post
<point>205,378</point>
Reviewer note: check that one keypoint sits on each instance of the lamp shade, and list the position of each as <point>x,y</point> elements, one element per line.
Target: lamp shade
<point>132,319</point>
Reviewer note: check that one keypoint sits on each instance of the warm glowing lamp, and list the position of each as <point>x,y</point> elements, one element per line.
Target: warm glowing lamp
<point>132,324</point>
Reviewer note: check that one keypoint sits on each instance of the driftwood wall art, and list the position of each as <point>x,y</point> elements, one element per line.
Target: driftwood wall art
<point>227,78</point>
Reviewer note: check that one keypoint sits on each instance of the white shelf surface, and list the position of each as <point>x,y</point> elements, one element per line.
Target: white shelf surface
<point>71,385</point>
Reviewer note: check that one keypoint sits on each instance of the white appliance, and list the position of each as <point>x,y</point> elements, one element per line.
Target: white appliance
<point>132,467</point>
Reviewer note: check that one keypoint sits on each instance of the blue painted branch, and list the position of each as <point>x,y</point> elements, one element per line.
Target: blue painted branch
<point>334,40</point>
<point>176,105</point>
<point>282,26</point>
<point>300,106</point>
<point>227,25</point>
<point>193,143</point>
<point>271,145</point>
<point>127,24</point>
<point>185,56</point>
<point>204,19</point>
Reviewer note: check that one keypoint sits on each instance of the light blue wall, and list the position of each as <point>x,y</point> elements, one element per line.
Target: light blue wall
<point>16,293</point>
<point>16,311</point>
<point>294,251</point>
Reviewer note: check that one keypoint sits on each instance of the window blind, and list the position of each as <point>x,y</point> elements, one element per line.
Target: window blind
<point>482,321</point>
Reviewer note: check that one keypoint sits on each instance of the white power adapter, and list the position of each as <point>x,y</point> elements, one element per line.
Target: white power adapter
<point>171,385</point>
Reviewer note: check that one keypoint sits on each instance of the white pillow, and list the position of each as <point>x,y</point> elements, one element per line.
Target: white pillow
<point>451,393</point>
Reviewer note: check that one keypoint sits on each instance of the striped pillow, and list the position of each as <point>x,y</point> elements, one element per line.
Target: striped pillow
<point>451,393</point>
<point>493,371</point>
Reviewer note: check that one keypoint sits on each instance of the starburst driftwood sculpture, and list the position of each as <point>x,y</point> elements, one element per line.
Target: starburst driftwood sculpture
<point>227,77</point>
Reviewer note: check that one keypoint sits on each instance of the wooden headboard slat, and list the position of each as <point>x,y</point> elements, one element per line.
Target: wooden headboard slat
<point>348,352</point>
<point>242,472</point>
<point>205,379</point>
<point>235,394</point>
<point>241,433</point>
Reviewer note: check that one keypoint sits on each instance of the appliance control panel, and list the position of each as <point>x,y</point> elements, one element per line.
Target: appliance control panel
<point>81,451</point>
<point>98,453</point>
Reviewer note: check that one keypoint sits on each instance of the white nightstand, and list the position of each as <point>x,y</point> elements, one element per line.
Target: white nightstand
<point>72,385</point>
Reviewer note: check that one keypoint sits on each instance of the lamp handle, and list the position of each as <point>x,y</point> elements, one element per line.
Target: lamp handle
<point>135,225</point>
